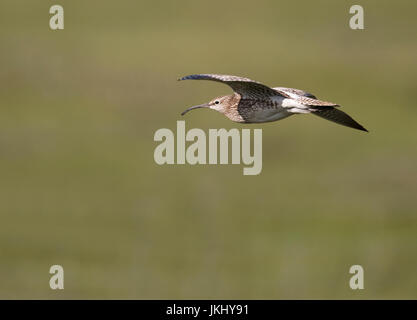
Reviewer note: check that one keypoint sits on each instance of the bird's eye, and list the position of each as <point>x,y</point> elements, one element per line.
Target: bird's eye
<point>216,102</point>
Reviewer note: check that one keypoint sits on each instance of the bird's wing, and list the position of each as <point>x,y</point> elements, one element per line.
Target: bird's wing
<point>315,102</point>
<point>339,117</point>
<point>305,98</point>
<point>245,87</point>
<point>295,91</point>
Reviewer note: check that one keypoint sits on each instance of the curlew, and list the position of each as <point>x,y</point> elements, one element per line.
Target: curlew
<point>253,102</point>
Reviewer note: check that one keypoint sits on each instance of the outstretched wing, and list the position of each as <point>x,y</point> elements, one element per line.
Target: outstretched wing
<point>295,91</point>
<point>315,103</point>
<point>247,88</point>
<point>305,98</point>
<point>339,117</point>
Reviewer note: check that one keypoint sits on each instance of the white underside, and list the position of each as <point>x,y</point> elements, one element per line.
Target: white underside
<point>294,106</point>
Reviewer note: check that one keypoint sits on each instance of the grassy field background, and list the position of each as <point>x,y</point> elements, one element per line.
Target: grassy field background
<point>79,186</point>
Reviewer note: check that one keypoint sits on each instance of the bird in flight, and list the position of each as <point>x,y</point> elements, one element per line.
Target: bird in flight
<point>253,102</point>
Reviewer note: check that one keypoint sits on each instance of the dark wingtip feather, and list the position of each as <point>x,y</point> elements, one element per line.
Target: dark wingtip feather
<point>191,77</point>
<point>183,78</point>
<point>363,129</point>
<point>358,126</point>
<point>339,117</point>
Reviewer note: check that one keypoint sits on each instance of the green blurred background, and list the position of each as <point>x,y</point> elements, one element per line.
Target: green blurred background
<point>79,186</point>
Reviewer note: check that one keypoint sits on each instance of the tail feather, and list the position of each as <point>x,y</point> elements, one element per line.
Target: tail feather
<point>339,117</point>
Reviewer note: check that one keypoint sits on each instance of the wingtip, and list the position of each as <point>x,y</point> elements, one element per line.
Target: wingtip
<point>193,77</point>
<point>360,127</point>
<point>184,78</point>
<point>356,126</point>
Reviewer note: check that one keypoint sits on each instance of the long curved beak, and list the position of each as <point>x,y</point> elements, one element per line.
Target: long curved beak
<point>204,105</point>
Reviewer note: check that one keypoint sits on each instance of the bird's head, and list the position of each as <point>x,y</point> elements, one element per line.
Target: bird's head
<point>220,104</point>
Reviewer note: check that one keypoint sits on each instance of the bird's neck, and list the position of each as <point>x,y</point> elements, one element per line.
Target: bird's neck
<point>233,102</point>
<point>231,111</point>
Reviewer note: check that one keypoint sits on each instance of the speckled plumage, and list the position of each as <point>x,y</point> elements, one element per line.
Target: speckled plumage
<point>254,102</point>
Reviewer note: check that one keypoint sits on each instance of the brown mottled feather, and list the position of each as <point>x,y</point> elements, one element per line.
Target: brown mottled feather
<point>295,91</point>
<point>247,88</point>
<point>315,103</point>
